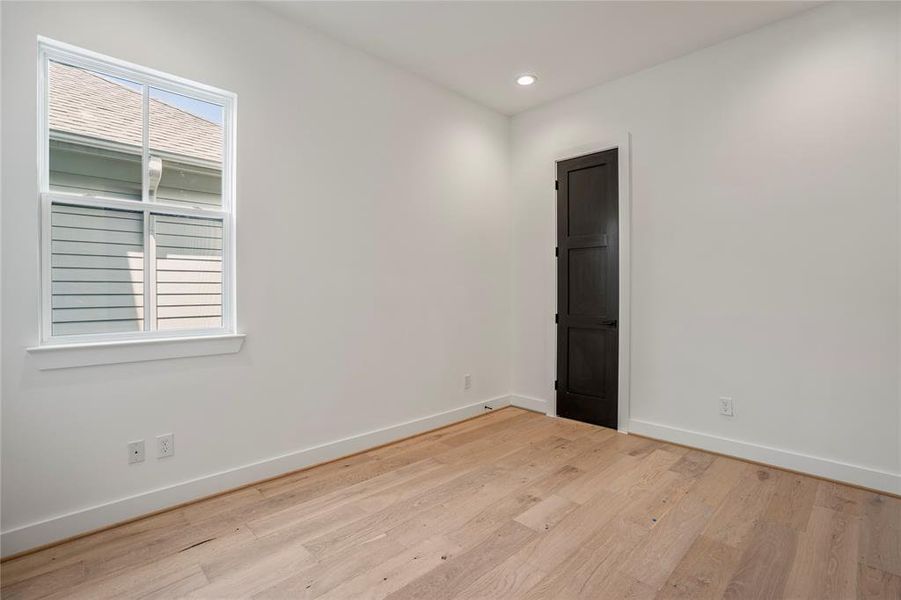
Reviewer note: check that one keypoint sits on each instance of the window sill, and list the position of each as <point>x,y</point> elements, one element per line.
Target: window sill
<point>64,356</point>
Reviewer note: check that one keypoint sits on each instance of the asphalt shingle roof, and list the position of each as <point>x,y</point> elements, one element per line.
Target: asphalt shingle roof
<point>84,103</point>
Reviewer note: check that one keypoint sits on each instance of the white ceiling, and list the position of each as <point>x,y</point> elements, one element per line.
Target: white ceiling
<point>477,48</point>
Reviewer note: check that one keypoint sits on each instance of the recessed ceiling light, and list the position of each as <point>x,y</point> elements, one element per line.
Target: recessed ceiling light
<point>526,79</point>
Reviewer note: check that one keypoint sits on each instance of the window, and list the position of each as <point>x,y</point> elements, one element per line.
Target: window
<point>137,195</point>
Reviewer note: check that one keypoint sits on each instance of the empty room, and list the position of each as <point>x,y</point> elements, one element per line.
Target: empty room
<point>433,300</point>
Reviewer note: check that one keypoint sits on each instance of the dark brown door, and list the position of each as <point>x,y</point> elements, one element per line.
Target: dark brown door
<point>588,288</point>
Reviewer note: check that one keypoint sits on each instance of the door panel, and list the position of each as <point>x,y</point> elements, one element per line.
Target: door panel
<point>584,184</point>
<point>587,293</point>
<point>586,374</point>
<point>588,288</point>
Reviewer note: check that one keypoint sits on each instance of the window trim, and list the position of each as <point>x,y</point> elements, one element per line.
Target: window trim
<point>52,50</point>
<point>64,356</point>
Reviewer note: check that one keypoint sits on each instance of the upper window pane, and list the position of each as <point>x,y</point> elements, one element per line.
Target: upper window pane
<point>186,142</point>
<point>95,133</point>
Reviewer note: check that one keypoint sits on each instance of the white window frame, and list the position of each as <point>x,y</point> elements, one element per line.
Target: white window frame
<point>51,50</point>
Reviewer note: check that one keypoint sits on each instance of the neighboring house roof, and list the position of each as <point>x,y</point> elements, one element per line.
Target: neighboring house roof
<point>86,104</point>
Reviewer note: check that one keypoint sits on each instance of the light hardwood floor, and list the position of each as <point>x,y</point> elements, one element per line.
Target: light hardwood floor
<point>509,505</point>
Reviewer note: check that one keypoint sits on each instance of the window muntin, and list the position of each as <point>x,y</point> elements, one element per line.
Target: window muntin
<point>137,187</point>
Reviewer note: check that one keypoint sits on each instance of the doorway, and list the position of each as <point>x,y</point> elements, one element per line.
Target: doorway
<point>588,288</point>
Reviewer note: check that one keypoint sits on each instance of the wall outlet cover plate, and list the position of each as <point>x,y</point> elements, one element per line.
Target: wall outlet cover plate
<point>165,445</point>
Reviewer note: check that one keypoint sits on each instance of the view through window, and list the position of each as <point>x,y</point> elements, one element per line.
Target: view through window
<point>138,200</point>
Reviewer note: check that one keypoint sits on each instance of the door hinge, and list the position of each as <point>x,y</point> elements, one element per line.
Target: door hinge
<point>557,251</point>
<point>556,184</point>
<point>555,384</point>
<point>557,318</point>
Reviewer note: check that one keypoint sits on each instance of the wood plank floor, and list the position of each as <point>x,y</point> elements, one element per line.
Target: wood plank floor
<point>509,505</point>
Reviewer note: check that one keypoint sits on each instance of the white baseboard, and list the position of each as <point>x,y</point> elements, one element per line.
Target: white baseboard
<point>529,403</point>
<point>804,463</point>
<point>81,521</point>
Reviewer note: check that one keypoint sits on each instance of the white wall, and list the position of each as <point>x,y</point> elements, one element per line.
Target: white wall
<point>382,196</point>
<point>898,37</point>
<point>899,227</point>
<point>765,242</point>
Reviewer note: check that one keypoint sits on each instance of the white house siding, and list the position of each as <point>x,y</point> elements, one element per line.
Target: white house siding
<point>97,260</point>
<point>80,168</point>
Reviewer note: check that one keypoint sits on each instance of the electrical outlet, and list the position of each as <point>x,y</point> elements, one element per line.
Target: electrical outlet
<point>135,452</point>
<point>165,445</point>
<point>726,407</point>
<point>467,382</point>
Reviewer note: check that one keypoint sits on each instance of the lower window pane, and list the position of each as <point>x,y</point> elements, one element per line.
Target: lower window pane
<point>97,270</point>
<point>188,272</point>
